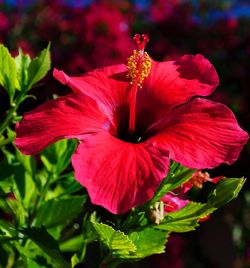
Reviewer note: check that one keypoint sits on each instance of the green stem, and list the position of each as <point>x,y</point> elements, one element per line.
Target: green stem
<point>6,142</point>
<point>40,198</point>
<point>12,112</point>
<point>44,190</point>
<point>11,260</point>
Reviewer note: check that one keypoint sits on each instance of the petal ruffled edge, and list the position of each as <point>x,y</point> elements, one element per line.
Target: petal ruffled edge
<point>172,83</point>
<point>106,85</point>
<point>200,134</point>
<point>71,116</point>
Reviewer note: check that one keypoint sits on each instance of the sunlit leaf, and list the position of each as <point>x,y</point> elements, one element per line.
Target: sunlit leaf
<point>75,260</point>
<point>27,161</point>
<point>116,241</point>
<point>72,244</point>
<point>57,156</point>
<point>22,63</point>
<point>39,67</point>
<point>185,219</point>
<point>148,241</point>
<point>7,71</point>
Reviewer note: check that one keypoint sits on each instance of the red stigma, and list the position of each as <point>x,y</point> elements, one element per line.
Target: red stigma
<point>141,40</point>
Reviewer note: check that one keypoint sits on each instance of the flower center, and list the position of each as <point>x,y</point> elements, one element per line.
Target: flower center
<point>139,65</point>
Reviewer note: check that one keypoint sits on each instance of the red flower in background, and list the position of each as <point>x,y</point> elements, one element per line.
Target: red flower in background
<point>128,134</point>
<point>110,24</point>
<point>197,180</point>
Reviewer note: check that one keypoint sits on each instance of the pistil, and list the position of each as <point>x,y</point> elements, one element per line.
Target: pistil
<point>139,65</point>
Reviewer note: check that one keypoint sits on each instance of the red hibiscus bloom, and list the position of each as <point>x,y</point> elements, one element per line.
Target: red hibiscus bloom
<point>129,127</point>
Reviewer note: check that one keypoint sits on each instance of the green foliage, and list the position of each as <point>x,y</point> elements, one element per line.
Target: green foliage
<point>176,177</point>
<point>148,241</point>
<point>7,72</point>
<point>22,73</point>
<point>75,260</point>
<point>56,212</point>
<point>226,190</point>
<point>47,243</point>
<point>39,67</point>
<point>22,64</point>
<point>19,73</point>
<point>186,219</point>
<point>117,242</point>
<point>57,156</point>
<point>73,244</point>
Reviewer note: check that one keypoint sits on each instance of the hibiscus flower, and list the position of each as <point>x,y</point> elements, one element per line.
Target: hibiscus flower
<point>131,120</point>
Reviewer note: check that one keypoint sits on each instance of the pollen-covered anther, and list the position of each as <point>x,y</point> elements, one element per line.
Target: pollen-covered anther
<point>139,65</point>
<point>199,178</point>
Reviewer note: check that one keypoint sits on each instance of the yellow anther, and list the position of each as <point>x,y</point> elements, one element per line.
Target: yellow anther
<point>139,66</point>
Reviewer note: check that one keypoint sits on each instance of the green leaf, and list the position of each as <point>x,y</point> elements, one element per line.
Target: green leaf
<point>6,228</point>
<point>72,244</point>
<point>75,260</point>
<point>179,226</point>
<point>25,188</point>
<point>33,256</point>
<point>176,177</point>
<point>23,178</point>
<point>11,134</point>
<point>226,190</point>
<point>57,156</point>
<point>7,72</point>
<point>27,161</point>
<point>116,241</point>
<point>38,262</point>
<point>185,219</point>
<point>135,218</point>
<point>20,171</point>
<point>47,243</point>
<point>62,211</point>
<point>70,185</point>
<point>148,241</point>
<point>39,67</point>
<point>22,64</point>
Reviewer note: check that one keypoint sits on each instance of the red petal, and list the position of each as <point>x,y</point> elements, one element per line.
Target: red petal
<point>215,180</point>
<point>119,175</point>
<point>172,83</point>
<point>108,86</point>
<point>205,218</point>
<point>68,116</point>
<point>173,202</point>
<point>200,134</point>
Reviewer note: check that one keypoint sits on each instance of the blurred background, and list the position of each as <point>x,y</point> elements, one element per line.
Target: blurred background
<point>87,34</point>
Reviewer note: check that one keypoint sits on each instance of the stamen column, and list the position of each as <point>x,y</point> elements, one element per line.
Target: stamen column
<point>139,65</point>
